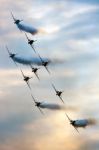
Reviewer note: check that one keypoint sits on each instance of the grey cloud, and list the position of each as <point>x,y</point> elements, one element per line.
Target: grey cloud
<point>90,145</point>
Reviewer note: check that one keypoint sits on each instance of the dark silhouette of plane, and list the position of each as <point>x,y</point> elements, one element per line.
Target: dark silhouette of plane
<point>44,63</point>
<point>26,79</point>
<point>81,123</point>
<point>11,55</point>
<point>16,21</point>
<point>72,122</point>
<point>37,104</point>
<point>58,93</point>
<point>31,42</point>
<point>34,70</point>
<point>23,27</point>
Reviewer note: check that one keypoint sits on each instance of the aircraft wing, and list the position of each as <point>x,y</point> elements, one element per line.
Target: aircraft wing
<point>33,98</point>
<point>26,36</point>
<point>22,72</point>
<point>15,62</point>
<point>47,69</point>
<point>40,110</point>
<point>33,48</point>
<point>7,50</point>
<point>61,99</point>
<point>13,16</point>
<point>28,85</point>
<point>76,129</point>
<point>37,76</point>
<point>40,58</point>
<point>68,117</point>
<point>54,87</point>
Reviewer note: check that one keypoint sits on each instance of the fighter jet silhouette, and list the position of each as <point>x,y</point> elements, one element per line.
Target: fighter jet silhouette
<point>34,70</point>
<point>37,104</point>
<point>44,63</point>
<point>26,79</point>
<point>31,42</point>
<point>58,93</point>
<point>23,27</point>
<point>11,55</point>
<point>81,123</point>
<point>16,21</point>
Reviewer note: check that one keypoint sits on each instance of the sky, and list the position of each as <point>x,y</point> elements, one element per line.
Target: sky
<point>72,35</point>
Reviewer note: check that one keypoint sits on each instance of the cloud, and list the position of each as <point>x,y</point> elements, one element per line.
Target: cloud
<point>90,145</point>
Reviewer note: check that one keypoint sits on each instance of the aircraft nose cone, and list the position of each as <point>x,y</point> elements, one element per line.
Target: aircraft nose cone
<point>72,122</point>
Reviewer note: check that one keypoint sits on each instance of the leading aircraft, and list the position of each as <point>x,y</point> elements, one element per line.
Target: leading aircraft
<point>23,27</point>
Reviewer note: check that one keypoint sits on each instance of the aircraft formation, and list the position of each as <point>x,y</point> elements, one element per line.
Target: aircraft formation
<point>80,123</point>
